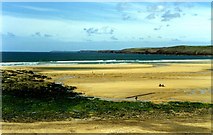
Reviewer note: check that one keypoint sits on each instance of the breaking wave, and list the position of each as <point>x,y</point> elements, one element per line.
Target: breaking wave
<point>98,62</point>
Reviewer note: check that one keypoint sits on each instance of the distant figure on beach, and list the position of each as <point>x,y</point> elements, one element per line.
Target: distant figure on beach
<point>136,97</point>
<point>161,85</point>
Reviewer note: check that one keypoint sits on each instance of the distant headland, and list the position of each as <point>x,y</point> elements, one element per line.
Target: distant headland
<point>175,50</point>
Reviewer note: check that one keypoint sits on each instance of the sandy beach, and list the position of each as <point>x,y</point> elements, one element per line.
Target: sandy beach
<point>183,81</point>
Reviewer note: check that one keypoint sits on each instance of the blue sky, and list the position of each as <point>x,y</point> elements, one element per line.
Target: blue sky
<point>75,26</point>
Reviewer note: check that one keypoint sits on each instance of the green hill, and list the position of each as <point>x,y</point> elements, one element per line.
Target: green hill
<point>176,50</point>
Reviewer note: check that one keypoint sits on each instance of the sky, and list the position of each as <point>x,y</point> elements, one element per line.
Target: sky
<point>73,26</point>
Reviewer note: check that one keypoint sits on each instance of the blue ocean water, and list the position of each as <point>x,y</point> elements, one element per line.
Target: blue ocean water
<point>39,58</point>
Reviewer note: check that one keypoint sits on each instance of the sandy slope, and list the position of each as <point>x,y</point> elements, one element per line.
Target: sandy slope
<point>180,125</point>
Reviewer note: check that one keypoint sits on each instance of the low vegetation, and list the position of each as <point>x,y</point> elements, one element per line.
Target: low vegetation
<point>27,84</point>
<point>30,97</point>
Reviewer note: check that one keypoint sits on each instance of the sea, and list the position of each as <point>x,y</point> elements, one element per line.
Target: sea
<point>81,57</point>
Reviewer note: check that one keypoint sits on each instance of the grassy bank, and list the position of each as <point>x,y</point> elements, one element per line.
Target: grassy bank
<point>30,97</point>
<point>31,110</point>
